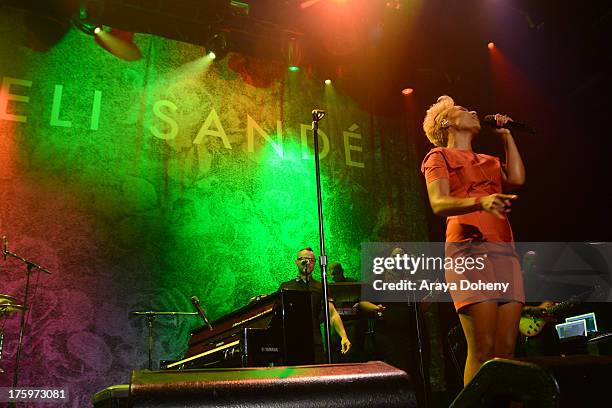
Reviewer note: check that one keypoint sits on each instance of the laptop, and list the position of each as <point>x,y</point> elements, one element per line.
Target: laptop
<point>572,329</point>
<point>591,321</point>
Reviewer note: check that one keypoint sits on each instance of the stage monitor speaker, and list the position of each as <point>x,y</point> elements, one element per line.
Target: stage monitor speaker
<point>600,345</point>
<point>540,382</point>
<point>367,385</point>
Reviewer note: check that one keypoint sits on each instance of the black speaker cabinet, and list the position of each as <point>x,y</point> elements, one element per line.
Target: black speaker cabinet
<point>542,382</point>
<point>367,385</point>
<point>600,345</point>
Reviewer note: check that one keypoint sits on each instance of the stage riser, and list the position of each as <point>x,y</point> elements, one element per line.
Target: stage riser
<point>363,385</point>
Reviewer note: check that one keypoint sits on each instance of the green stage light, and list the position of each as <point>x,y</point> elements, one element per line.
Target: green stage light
<point>294,68</point>
<point>328,82</point>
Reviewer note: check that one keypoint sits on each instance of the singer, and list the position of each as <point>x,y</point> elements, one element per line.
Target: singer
<point>468,189</point>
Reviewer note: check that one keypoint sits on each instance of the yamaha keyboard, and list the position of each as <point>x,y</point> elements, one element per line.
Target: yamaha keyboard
<point>271,330</point>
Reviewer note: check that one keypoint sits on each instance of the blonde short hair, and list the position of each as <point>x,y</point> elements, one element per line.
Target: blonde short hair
<point>434,125</point>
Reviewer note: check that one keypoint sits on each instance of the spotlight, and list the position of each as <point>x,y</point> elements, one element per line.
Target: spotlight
<point>407,91</point>
<point>216,45</point>
<point>119,43</point>
<point>328,82</point>
<point>491,45</point>
<point>86,27</point>
<point>293,55</point>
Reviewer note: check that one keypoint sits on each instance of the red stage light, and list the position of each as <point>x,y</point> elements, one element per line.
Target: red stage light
<point>407,91</point>
<point>491,45</point>
<point>119,43</point>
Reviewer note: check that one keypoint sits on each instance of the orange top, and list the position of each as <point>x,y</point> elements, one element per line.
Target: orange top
<point>476,175</point>
<point>469,175</point>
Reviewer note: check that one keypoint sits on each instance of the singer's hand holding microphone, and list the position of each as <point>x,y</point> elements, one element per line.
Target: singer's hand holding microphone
<point>503,124</point>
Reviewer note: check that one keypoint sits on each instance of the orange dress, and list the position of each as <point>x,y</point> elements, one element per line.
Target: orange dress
<point>478,232</point>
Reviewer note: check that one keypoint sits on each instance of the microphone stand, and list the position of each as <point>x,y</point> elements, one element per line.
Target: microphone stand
<point>317,115</point>
<point>29,267</point>
<point>419,337</point>
<point>1,345</point>
<point>150,319</point>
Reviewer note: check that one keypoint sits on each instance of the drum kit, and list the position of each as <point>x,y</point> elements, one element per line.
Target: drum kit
<point>8,305</point>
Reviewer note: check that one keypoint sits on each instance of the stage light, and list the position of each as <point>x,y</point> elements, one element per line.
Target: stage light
<point>84,23</point>
<point>328,82</point>
<point>491,45</point>
<point>216,45</point>
<point>293,53</point>
<point>85,27</point>
<point>119,43</point>
<point>407,91</point>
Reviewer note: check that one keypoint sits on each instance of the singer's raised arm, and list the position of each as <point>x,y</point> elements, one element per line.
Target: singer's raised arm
<point>513,174</point>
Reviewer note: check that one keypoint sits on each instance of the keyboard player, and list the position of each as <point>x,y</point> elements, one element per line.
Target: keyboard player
<point>305,263</point>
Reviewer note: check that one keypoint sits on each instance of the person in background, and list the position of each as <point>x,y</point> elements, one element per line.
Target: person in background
<point>337,273</point>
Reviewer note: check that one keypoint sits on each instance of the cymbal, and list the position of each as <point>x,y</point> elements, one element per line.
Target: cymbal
<point>7,299</point>
<point>6,308</point>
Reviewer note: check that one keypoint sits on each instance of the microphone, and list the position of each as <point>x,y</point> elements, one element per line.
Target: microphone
<point>4,244</point>
<point>196,304</point>
<point>318,114</point>
<point>489,120</point>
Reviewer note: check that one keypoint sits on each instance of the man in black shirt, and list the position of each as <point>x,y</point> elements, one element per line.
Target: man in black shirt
<point>304,281</point>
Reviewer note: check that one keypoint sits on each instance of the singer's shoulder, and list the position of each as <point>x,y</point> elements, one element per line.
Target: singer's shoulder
<point>436,151</point>
<point>433,158</point>
<point>454,158</point>
<point>438,155</point>
<point>452,154</point>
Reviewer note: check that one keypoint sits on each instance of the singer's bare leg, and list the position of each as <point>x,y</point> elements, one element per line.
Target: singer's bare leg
<point>490,330</point>
<point>478,322</point>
